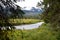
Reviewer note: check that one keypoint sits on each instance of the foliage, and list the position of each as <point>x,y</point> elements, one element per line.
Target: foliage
<point>42,33</point>
<point>52,13</point>
<point>8,9</point>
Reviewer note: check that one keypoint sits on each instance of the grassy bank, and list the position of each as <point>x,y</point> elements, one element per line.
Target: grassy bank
<point>42,33</point>
<point>23,21</point>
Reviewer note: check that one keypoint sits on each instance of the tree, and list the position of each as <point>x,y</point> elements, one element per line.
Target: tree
<point>8,9</point>
<point>51,13</point>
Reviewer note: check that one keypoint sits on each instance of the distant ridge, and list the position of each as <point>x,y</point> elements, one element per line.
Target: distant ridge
<point>33,10</point>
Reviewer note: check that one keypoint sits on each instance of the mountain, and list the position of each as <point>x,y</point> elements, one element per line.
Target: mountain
<point>33,10</point>
<point>33,13</point>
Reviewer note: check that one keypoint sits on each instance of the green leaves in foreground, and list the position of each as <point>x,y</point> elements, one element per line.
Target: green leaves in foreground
<point>42,33</point>
<point>52,13</point>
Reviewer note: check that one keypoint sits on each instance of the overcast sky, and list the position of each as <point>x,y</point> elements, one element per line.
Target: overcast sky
<point>28,4</point>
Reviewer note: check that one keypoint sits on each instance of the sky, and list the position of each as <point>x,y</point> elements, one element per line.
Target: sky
<point>28,4</point>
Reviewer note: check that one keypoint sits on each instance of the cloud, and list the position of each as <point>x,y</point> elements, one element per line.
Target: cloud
<point>28,4</point>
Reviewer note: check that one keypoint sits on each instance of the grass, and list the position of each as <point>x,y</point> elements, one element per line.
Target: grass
<point>42,33</point>
<point>23,21</point>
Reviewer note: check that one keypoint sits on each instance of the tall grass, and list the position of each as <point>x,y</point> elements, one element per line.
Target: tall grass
<point>23,21</point>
